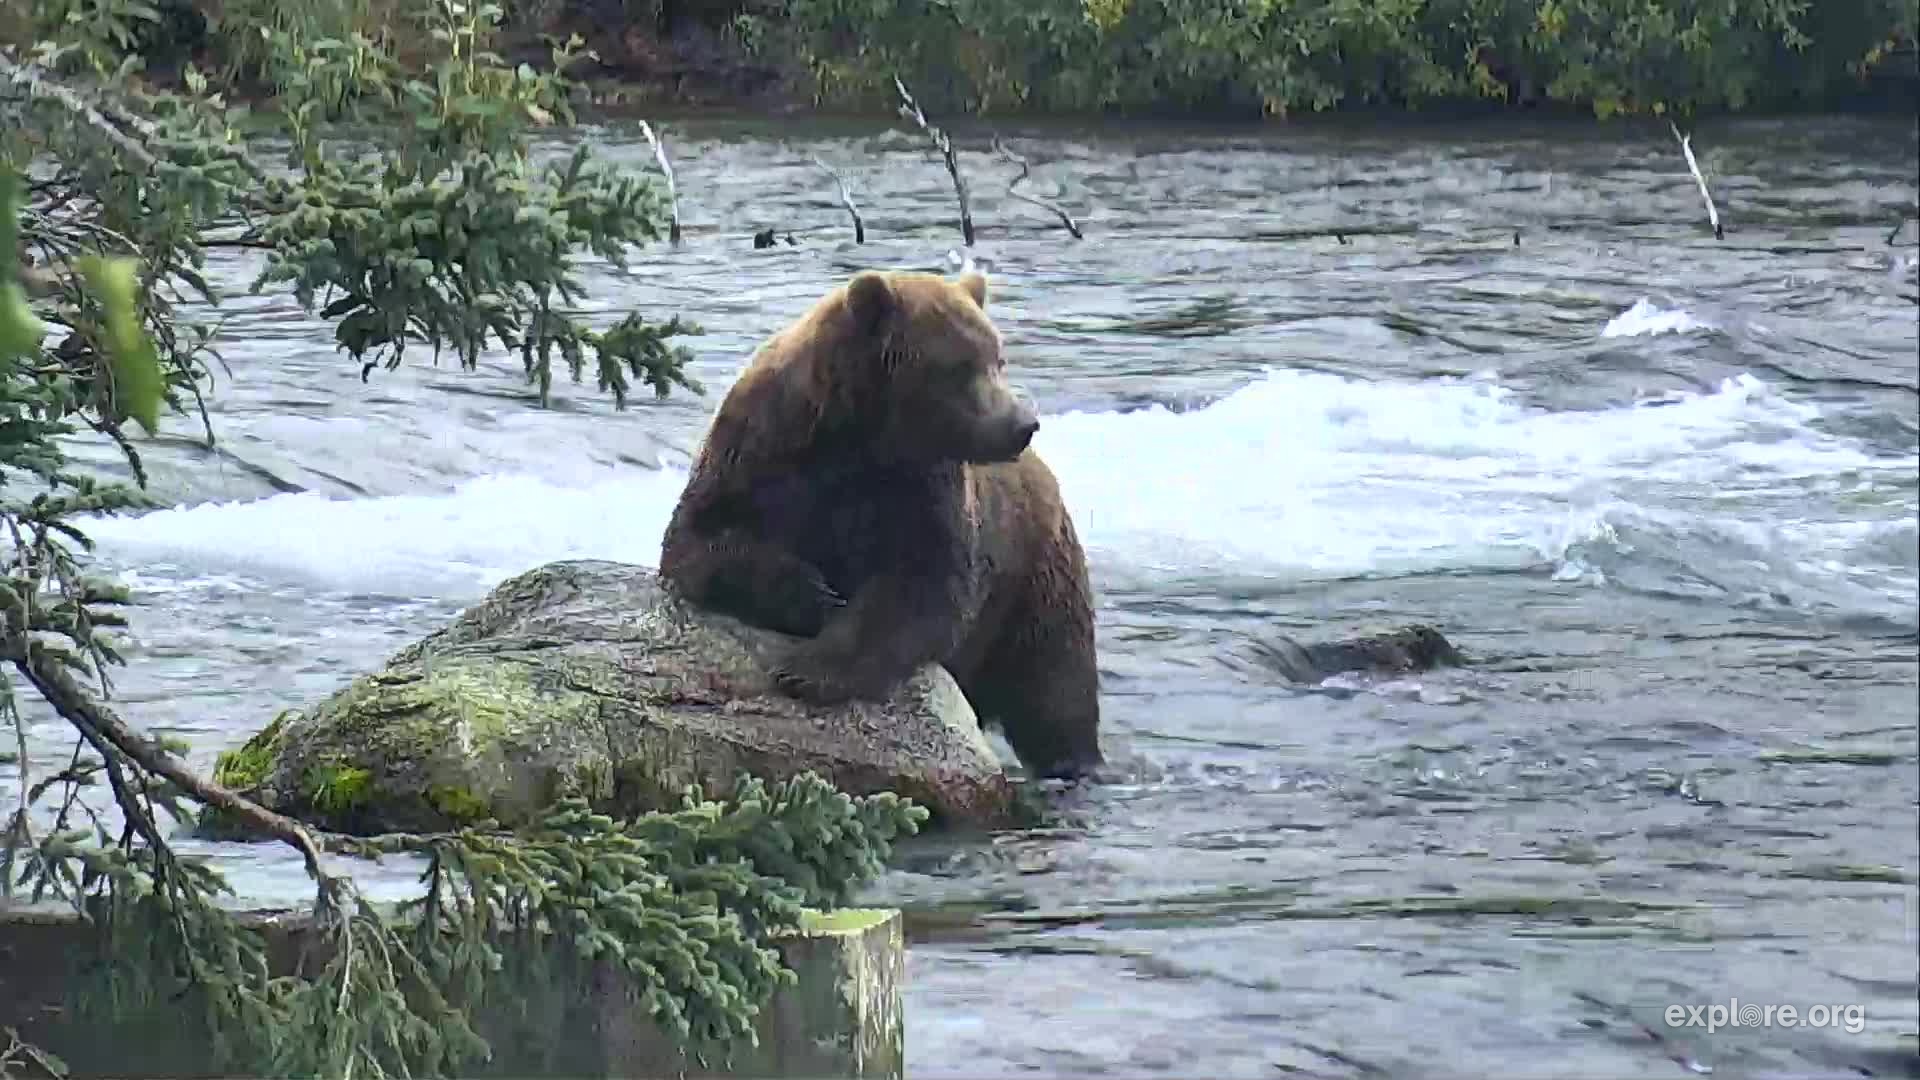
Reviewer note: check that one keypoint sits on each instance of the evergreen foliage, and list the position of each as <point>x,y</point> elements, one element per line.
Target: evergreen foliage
<point>110,196</point>
<point>684,903</point>
<point>430,225</point>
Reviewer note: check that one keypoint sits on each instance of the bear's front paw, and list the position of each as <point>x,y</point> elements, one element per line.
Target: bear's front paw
<point>788,599</point>
<point>800,604</point>
<point>810,687</point>
<point>827,671</point>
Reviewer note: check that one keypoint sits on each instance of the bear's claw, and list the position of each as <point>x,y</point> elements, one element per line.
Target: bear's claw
<point>800,604</point>
<point>810,689</point>
<point>821,672</point>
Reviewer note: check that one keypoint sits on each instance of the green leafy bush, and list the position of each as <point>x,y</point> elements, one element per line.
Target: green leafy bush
<point>1280,56</point>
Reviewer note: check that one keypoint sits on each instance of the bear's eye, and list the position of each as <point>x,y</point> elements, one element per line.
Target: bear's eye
<point>988,362</point>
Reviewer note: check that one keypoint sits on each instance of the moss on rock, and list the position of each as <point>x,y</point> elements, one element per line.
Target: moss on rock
<point>458,805</point>
<point>338,791</point>
<point>248,764</point>
<point>586,678</point>
<point>242,769</point>
<point>843,920</point>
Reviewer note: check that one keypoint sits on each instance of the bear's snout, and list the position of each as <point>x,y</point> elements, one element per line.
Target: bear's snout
<point>1020,425</point>
<point>1005,437</point>
<point>1024,429</point>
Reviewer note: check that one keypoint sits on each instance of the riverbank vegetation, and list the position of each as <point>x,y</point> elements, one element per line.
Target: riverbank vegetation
<point>450,237</point>
<point>1209,57</point>
<point>1290,56</point>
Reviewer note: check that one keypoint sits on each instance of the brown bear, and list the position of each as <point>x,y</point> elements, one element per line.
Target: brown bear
<point>867,485</point>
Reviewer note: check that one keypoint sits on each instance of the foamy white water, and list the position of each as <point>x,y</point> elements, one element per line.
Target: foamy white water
<point>1646,317</point>
<point>1295,476</point>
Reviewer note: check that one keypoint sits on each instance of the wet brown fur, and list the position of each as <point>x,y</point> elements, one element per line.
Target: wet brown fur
<point>867,486</point>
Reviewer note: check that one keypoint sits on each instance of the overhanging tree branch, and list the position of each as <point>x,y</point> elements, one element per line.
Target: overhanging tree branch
<point>103,727</point>
<point>32,81</point>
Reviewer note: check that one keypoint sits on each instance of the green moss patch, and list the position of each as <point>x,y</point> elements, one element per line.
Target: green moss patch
<point>843,921</point>
<point>247,765</point>
<point>458,805</point>
<point>338,790</point>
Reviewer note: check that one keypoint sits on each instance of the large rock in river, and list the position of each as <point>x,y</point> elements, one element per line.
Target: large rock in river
<point>588,678</point>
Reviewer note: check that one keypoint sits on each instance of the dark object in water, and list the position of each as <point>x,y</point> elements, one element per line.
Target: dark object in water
<point>1396,652</point>
<point>765,239</point>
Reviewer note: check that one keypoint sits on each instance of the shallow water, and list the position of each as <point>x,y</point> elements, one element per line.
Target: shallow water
<point>1661,489</point>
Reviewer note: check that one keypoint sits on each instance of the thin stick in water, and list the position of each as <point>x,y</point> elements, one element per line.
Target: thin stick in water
<point>666,167</point>
<point>911,110</point>
<point>1693,166</point>
<point>1026,170</point>
<point>846,200</point>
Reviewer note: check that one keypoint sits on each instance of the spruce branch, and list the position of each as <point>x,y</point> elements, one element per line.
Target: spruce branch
<point>103,727</point>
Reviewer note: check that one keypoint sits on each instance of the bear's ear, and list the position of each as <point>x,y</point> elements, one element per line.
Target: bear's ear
<point>975,284</point>
<point>870,301</point>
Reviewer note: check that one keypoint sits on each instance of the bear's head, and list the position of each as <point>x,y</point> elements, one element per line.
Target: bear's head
<point>934,381</point>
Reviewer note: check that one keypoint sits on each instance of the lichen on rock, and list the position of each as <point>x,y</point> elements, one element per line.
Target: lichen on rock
<point>587,678</point>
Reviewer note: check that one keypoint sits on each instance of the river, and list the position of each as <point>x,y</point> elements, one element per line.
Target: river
<point>1661,489</point>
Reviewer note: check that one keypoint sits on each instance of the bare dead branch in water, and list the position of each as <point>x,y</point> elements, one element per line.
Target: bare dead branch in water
<point>1342,234</point>
<point>911,110</point>
<point>19,1052</point>
<point>1026,170</point>
<point>1898,228</point>
<point>1693,166</point>
<point>666,167</point>
<point>846,200</point>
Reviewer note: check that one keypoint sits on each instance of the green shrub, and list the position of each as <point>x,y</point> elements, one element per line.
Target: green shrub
<point>1280,56</point>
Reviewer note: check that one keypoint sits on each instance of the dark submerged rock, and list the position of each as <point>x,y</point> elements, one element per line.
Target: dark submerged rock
<point>1400,651</point>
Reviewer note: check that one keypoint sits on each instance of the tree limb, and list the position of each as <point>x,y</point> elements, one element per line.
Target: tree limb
<point>846,200</point>
<point>673,192</point>
<point>911,110</point>
<point>100,725</point>
<point>12,710</point>
<point>128,132</point>
<point>29,78</point>
<point>1025,170</point>
<point>1693,166</point>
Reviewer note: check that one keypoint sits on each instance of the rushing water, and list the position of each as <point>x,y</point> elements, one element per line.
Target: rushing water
<point>1661,489</point>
